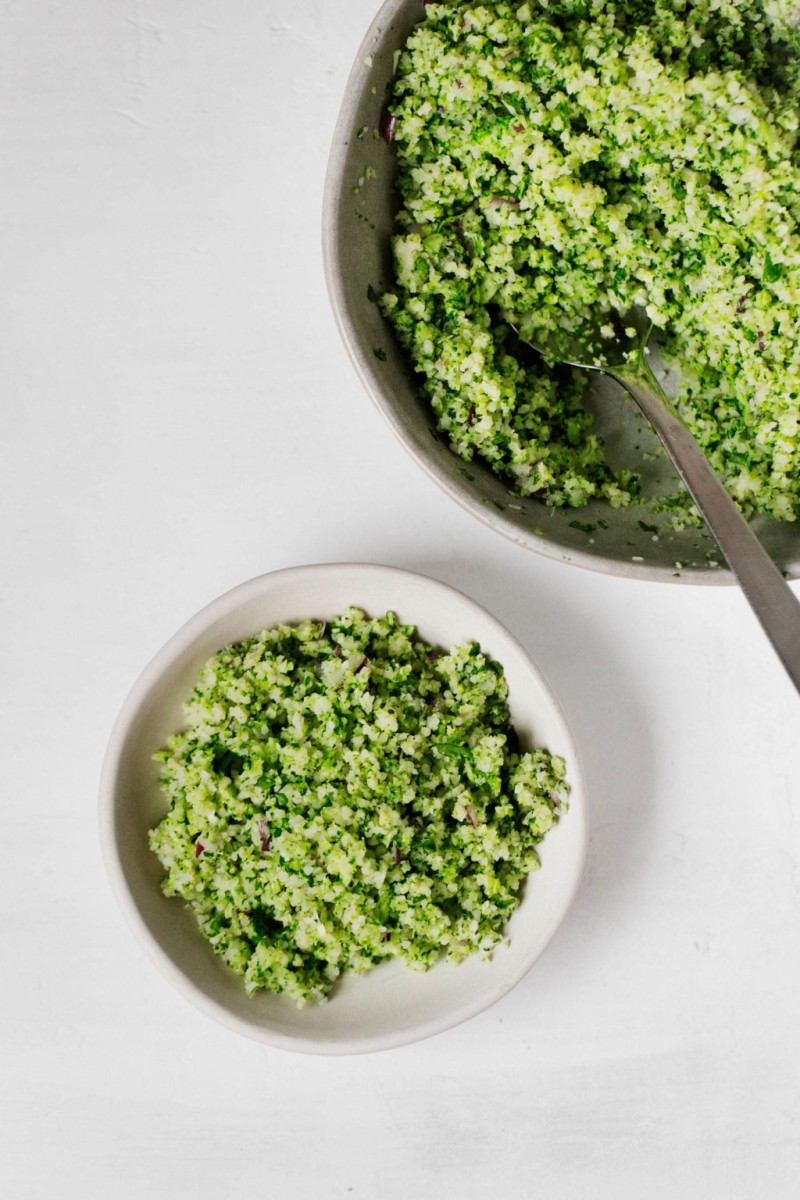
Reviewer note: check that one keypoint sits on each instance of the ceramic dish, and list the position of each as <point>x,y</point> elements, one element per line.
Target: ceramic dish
<point>390,1005</point>
<point>357,225</point>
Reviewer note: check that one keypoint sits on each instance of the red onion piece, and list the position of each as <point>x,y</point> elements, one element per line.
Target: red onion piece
<point>388,126</point>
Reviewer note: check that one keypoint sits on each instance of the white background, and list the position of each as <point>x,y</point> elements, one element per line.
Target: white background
<point>178,415</point>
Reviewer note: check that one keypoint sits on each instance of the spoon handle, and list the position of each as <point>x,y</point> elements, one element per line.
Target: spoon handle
<point>768,593</point>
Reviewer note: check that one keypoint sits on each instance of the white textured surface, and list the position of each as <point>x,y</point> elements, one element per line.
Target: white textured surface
<point>178,416</point>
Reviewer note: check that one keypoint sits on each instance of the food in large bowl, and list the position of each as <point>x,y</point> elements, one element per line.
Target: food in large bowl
<point>481,170</point>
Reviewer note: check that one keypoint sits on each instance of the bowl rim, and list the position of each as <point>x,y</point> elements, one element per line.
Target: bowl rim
<point>180,641</point>
<point>334,265</point>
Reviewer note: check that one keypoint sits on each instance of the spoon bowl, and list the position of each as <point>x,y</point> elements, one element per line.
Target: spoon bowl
<point>604,343</point>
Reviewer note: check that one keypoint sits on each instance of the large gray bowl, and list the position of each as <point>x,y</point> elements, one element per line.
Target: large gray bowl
<point>359,207</point>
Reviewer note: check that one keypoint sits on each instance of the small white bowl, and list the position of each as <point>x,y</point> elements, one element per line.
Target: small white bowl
<point>390,1005</point>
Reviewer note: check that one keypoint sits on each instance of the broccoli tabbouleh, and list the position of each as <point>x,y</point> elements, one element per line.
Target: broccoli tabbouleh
<point>345,794</point>
<point>565,157</point>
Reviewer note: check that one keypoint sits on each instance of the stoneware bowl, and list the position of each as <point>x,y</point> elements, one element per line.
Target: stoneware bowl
<point>390,1005</point>
<point>359,207</point>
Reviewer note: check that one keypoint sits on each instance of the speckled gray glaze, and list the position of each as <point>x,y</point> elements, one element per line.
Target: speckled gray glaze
<point>359,208</point>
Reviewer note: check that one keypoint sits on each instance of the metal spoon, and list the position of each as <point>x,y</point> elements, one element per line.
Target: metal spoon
<point>619,349</point>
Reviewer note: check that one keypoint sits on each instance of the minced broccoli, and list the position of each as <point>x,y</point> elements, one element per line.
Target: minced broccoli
<point>560,158</point>
<point>346,794</point>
